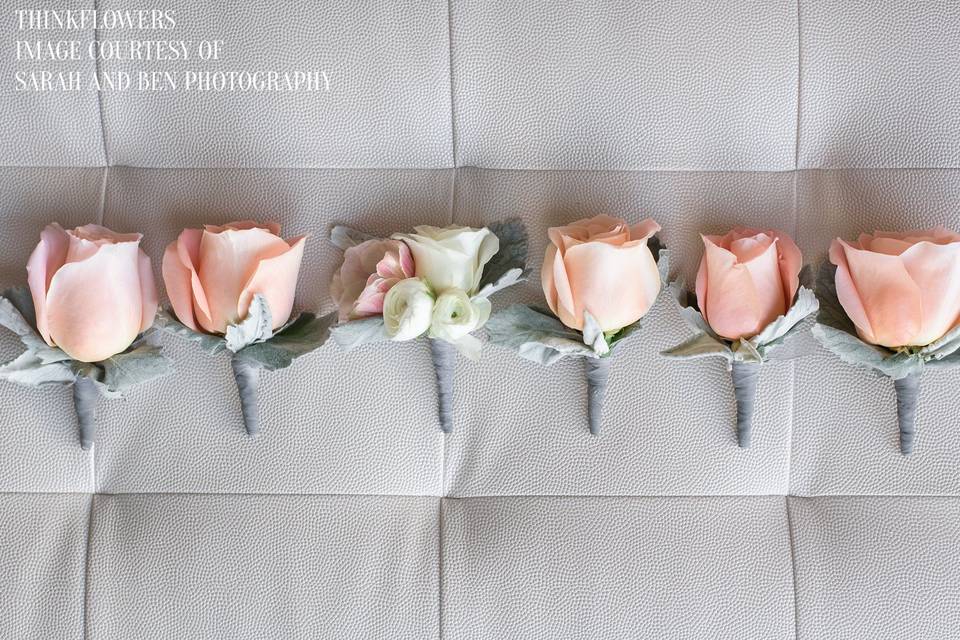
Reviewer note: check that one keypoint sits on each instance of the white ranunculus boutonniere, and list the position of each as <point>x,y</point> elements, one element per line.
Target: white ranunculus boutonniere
<point>434,282</point>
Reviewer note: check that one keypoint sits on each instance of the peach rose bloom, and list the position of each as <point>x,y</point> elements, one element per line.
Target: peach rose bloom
<point>600,265</point>
<point>212,274</point>
<point>900,289</point>
<point>369,270</point>
<point>747,278</point>
<point>93,290</point>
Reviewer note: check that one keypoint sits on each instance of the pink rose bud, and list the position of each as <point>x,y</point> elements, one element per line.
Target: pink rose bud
<point>747,278</point>
<point>900,289</point>
<point>212,274</point>
<point>369,270</point>
<point>93,290</point>
<point>603,266</point>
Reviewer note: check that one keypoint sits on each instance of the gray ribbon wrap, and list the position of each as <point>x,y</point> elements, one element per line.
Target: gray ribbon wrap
<point>248,382</point>
<point>85,396</point>
<point>745,377</point>
<point>908,392</point>
<point>444,360</point>
<point>598,372</point>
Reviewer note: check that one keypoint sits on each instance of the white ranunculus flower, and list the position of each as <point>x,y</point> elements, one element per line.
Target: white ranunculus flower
<point>455,315</point>
<point>407,309</point>
<point>451,258</point>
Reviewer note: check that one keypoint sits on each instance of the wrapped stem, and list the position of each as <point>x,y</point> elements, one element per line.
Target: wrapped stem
<point>85,396</point>
<point>745,377</point>
<point>444,360</point>
<point>908,392</point>
<point>598,372</point>
<point>248,383</point>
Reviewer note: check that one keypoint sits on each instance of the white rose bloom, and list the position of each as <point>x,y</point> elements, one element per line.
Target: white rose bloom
<point>451,258</point>
<point>407,309</point>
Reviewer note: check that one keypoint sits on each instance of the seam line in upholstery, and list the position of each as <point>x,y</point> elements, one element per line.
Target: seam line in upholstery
<point>440,569</point>
<point>453,117</point>
<point>86,567</point>
<point>481,168</point>
<point>796,146</point>
<point>793,569</point>
<point>945,496</point>
<point>96,70</point>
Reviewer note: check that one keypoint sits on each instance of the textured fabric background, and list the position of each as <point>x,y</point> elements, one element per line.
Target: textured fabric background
<point>351,516</point>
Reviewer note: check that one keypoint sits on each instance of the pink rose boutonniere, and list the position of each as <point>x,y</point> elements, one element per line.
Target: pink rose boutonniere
<point>231,288</point>
<point>83,320</point>
<point>599,277</point>
<point>890,302</point>
<point>749,300</point>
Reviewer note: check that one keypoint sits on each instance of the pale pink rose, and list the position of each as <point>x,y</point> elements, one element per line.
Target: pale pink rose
<point>603,266</point>
<point>93,290</point>
<point>212,274</point>
<point>900,289</point>
<point>747,278</point>
<point>369,270</point>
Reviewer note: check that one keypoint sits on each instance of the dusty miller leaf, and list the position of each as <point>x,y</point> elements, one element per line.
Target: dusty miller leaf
<point>350,335</point>
<point>701,345</point>
<point>593,335</point>
<point>305,334</point>
<point>210,343</point>
<point>256,327</point>
<point>805,304</point>
<point>535,335</point>
<point>510,278</point>
<point>345,237</point>
<point>135,366</point>
<point>29,370</point>
<point>511,255</point>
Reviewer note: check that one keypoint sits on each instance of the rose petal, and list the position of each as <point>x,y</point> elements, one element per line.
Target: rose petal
<point>228,260</point>
<point>179,269</point>
<point>275,278</point>
<point>94,305</point>
<point>935,268</point>
<point>889,296</point>
<point>731,305</point>
<point>149,300</point>
<point>47,257</point>
<point>791,262</point>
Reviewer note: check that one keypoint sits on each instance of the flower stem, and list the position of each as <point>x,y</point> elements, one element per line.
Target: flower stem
<point>745,377</point>
<point>598,373</point>
<point>85,404</point>
<point>444,360</point>
<point>908,392</point>
<point>248,382</point>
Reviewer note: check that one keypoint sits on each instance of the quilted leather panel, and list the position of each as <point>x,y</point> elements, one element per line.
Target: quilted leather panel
<point>877,568</point>
<point>326,428</point>
<point>388,104</point>
<point>42,124</point>
<point>192,567</point>
<point>879,84</point>
<point>582,568</point>
<point>39,450</point>
<point>521,428</point>
<point>845,418</point>
<point>43,541</point>
<point>625,85</point>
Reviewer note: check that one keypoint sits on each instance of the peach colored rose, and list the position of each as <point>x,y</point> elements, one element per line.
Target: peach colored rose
<point>900,289</point>
<point>213,273</point>
<point>603,266</point>
<point>747,278</point>
<point>369,270</point>
<point>92,289</point>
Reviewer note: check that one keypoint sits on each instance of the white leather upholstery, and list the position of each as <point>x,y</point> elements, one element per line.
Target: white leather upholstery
<point>351,515</point>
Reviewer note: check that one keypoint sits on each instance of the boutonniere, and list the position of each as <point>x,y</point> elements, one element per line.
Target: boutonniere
<point>231,289</point>
<point>434,282</point>
<point>748,302</point>
<point>599,278</point>
<point>891,304</point>
<point>91,300</point>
